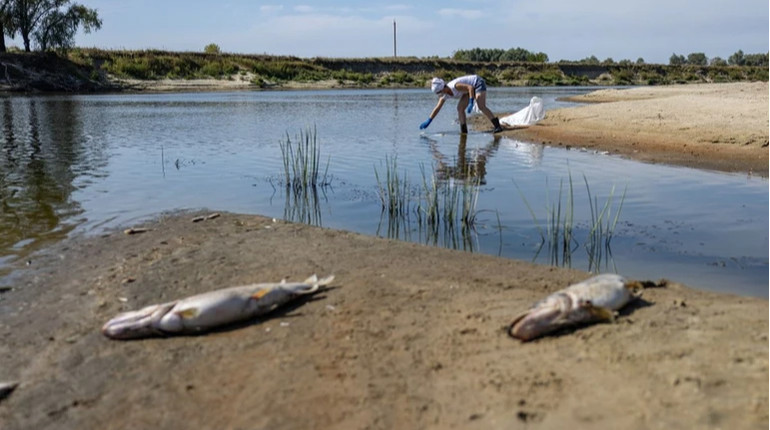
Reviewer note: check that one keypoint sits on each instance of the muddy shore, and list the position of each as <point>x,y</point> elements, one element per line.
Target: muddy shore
<point>408,336</point>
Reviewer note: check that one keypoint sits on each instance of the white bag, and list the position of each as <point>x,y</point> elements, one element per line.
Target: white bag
<point>528,116</point>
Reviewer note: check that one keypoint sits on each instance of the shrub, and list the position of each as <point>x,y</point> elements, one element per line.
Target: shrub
<point>212,48</point>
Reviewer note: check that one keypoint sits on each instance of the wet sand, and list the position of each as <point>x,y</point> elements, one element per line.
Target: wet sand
<point>408,336</point>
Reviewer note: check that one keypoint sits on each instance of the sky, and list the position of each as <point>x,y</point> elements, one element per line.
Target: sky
<point>563,29</point>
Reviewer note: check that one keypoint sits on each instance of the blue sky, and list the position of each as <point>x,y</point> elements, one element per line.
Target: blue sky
<point>563,29</point>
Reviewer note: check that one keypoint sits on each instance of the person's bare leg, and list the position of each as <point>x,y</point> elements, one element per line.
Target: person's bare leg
<point>461,106</point>
<point>481,101</point>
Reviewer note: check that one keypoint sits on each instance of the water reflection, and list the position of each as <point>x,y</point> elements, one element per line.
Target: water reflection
<point>441,210</point>
<point>302,205</point>
<point>465,164</point>
<point>42,157</point>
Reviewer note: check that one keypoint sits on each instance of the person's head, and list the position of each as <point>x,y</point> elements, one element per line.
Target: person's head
<point>437,85</point>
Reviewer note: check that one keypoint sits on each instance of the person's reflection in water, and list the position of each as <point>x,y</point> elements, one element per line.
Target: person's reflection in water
<point>464,166</point>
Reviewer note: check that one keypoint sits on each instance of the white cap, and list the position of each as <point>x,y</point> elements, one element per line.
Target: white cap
<point>436,85</point>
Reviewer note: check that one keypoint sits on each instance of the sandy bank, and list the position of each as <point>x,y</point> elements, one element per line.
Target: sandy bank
<point>407,337</point>
<point>711,126</point>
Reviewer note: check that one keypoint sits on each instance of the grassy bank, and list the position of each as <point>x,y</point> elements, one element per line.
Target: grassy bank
<point>267,71</point>
<point>102,69</point>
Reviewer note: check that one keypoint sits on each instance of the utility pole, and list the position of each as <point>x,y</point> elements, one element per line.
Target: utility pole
<point>394,39</point>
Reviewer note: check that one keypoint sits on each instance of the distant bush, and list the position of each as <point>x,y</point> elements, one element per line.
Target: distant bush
<point>212,48</point>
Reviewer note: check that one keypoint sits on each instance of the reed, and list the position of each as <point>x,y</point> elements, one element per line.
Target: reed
<point>602,228</point>
<point>301,161</point>
<point>445,210</point>
<point>394,190</point>
<point>559,236</point>
<point>448,203</point>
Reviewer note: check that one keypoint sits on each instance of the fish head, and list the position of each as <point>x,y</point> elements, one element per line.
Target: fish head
<point>137,324</point>
<point>545,317</point>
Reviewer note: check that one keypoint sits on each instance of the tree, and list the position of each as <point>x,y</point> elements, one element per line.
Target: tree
<point>697,59</point>
<point>677,60</point>
<point>212,48</point>
<point>759,60</point>
<point>6,26</point>
<point>590,60</point>
<point>717,61</point>
<point>52,23</point>
<point>736,59</point>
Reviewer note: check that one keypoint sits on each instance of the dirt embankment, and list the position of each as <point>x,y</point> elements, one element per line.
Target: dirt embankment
<point>407,337</point>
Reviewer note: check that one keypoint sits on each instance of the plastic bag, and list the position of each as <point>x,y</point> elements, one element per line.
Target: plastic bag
<point>528,116</point>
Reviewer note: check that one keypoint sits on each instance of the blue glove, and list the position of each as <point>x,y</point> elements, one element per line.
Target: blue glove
<point>470,106</point>
<point>425,125</point>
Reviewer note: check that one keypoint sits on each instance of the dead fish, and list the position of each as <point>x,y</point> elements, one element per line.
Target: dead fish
<point>595,299</point>
<point>206,311</point>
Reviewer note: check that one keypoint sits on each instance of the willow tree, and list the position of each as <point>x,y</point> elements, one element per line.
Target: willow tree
<point>51,23</point>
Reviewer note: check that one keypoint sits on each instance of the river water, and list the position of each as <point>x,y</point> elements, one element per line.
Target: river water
<point>89,163</point>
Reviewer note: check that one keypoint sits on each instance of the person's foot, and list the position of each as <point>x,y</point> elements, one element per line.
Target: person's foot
<point>496,124</point>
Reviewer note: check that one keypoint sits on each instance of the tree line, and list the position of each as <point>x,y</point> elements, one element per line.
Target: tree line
<point>523,55</point>
<point>495,55</point>
<point>49,24</point>
<point>737,59</point>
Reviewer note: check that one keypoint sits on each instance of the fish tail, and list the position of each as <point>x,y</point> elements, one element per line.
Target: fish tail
<point>314,281</point>
<point>324,281</point>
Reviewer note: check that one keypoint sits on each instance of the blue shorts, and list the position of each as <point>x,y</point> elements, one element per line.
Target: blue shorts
<point>480,85</point>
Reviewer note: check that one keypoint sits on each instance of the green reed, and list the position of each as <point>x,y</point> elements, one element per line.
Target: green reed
<point>602,227</point>
<point>301,161</point>
<point>559,234</point>
<point>443,210</point>
<point>394,190</point>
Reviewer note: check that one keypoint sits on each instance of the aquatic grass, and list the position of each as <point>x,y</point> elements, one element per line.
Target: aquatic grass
<point>445,203</point>
<point>558,235</point>
<point>559,226</point>
<point>394,190</point>
<point>602,227</point>
<point>301,161</point>
<point>444,211</point>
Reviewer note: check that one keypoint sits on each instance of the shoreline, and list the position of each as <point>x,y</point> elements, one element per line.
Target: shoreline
<point>722,127</point>
<point>401,338</point>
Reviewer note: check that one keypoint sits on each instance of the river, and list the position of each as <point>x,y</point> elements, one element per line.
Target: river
<point>86,164</point>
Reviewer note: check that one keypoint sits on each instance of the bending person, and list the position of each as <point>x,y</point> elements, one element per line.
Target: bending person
<point>468,89</point>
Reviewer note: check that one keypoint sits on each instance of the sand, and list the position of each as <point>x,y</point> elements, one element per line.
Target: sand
<point>407,337</point>
<point>708,126</point>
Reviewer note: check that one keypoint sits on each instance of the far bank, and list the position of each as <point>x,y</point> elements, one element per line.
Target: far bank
<point>93,70</point>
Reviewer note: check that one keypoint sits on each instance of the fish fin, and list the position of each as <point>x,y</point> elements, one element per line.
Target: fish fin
<point>311,280</point>
<point>325,281</point>
<point>600,313</point>
<point>261,293</point>
<point>188,313</point>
